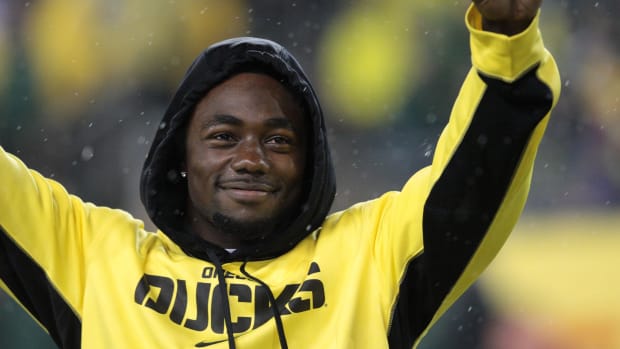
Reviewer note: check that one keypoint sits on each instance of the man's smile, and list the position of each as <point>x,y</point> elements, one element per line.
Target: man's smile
<point>247,190</point>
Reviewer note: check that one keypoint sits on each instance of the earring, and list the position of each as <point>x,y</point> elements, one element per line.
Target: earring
<point>183,174</point>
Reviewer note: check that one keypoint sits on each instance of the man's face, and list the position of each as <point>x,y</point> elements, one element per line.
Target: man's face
<point>245,157</point>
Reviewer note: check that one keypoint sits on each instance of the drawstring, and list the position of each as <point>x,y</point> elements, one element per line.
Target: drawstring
<point>274,305</point>
<point>224,293</point>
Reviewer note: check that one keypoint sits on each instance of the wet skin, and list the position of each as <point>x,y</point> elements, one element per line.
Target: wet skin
<point>245,157</point>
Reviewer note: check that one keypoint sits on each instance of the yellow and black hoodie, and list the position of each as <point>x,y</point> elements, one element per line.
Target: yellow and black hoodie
<point>376,275</point>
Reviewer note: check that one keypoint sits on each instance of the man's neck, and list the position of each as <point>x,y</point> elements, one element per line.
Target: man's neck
<point>210,233</point>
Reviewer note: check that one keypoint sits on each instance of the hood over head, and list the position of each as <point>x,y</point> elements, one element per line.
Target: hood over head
<point>164,192</point>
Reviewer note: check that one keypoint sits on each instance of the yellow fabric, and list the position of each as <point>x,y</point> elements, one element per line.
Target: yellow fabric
<point>135,289</point>
<point>502,56</point>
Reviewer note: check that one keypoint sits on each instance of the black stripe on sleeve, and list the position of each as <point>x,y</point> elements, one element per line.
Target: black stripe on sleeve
<point>28,282</point>
<point>466,197</point>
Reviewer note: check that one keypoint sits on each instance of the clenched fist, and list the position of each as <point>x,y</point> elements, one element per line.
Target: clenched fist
<point>507,16</point>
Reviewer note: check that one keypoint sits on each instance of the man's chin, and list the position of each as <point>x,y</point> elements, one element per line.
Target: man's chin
<point>244,229</point>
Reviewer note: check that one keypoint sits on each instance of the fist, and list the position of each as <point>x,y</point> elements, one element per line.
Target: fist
<point>507,16</point>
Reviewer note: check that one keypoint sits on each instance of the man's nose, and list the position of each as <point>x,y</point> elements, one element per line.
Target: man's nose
<point>250,157</point>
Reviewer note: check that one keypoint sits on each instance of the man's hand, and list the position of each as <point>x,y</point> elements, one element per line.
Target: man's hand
<point>507,17</point>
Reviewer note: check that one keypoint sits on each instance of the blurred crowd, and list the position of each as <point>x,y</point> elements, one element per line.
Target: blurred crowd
<point>84,84</point>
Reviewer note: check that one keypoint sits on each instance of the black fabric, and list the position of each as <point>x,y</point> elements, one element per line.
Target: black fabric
<point>35,292</point>
<point>165,196</point>
<point>466,198</point>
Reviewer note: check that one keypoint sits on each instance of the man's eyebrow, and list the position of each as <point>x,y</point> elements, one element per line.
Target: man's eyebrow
<point>225,119</point>
<point>222,119</point>
<point>279,122</point>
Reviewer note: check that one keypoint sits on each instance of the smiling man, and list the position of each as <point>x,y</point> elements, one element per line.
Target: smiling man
<point>246,153</point>
<point>239,182</point>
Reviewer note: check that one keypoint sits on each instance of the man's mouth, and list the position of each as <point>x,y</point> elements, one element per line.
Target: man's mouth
<point>247,190</point>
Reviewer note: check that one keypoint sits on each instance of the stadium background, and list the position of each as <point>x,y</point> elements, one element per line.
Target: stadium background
<point>84,84</point>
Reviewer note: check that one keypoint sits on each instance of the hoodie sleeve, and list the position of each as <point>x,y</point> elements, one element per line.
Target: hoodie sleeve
<point>46,236</point>
<point>438,234</point>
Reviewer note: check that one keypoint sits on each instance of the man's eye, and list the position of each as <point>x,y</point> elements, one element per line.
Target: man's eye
<point>222,137</point>
<point>278,140</point>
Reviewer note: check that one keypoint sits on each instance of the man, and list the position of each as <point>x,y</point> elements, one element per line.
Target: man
<point>239,182</point>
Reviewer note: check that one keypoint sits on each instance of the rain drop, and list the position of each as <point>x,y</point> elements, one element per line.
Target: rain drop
<point>87,153</point>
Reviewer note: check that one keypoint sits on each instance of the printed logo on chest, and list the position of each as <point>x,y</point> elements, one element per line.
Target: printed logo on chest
<point>200,307</point>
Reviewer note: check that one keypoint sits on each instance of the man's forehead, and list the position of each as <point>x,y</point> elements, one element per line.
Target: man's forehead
<point>224,119</point>
<point>252,79</point>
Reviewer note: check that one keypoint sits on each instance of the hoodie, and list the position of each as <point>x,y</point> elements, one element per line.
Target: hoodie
<point>376,275</point>
<point>163,193</point>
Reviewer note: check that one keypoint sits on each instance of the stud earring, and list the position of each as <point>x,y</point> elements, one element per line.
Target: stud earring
<point>183,174</point>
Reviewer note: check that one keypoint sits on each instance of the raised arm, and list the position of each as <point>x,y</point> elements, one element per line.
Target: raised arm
<point>46,236</point>
<point>468,201</point>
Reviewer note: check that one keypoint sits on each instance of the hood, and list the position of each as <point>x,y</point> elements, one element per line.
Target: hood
<point>164,193</point>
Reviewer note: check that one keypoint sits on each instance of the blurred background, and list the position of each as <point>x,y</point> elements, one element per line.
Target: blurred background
<point>84,83</point>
